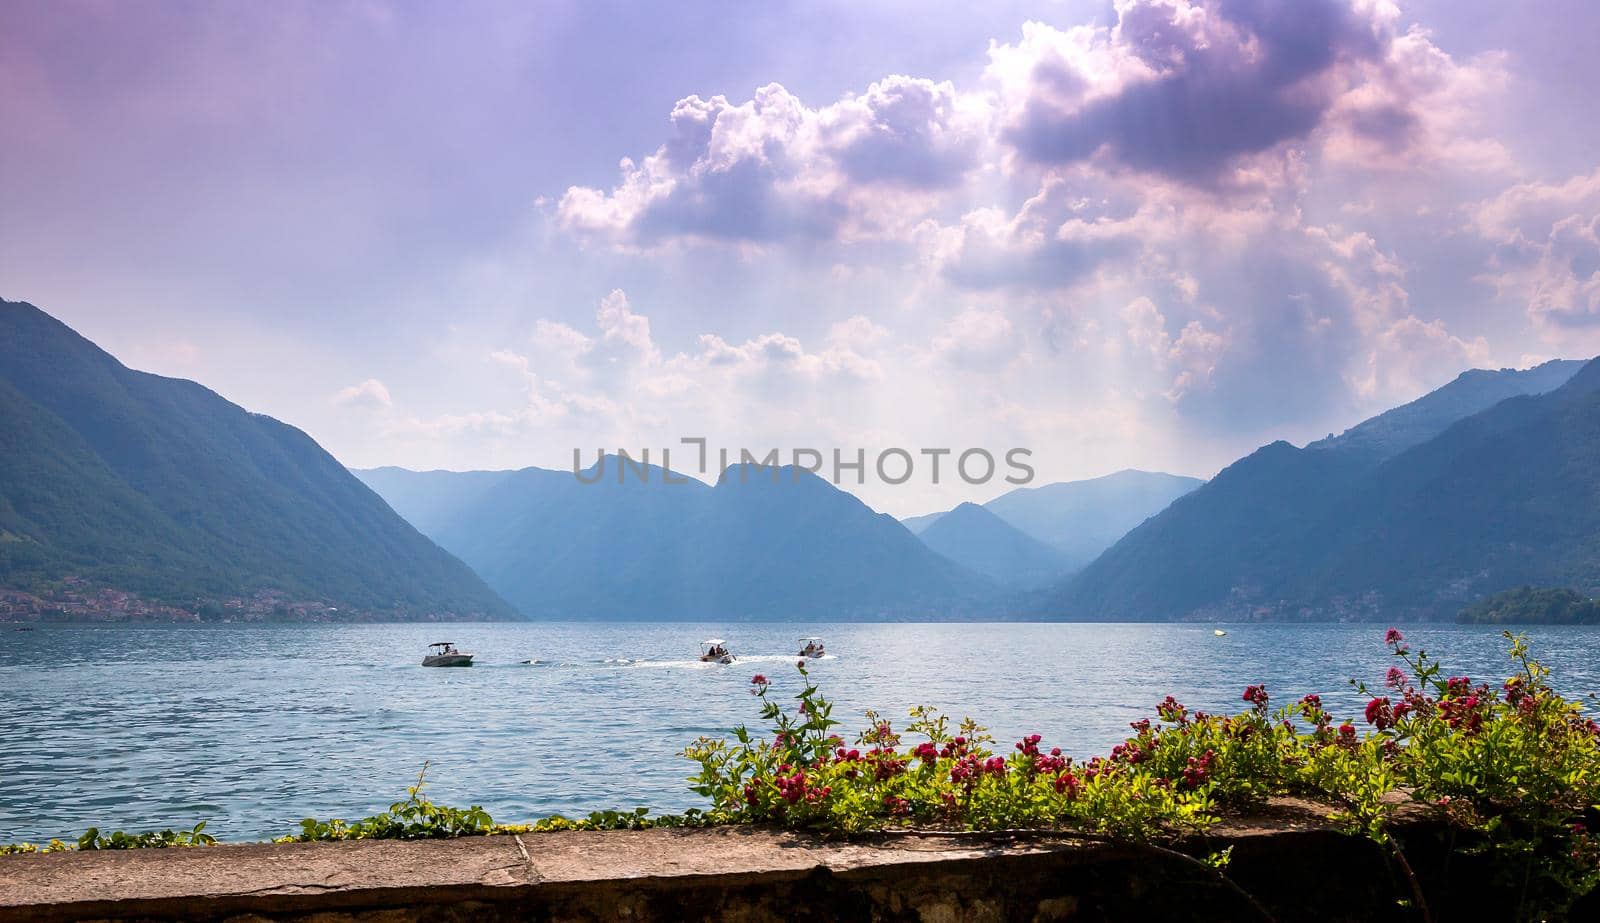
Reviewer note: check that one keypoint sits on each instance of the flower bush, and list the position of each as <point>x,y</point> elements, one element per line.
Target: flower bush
<point>1514,768</point>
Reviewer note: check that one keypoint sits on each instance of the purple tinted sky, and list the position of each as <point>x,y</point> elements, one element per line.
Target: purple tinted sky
<point>1153,233</point>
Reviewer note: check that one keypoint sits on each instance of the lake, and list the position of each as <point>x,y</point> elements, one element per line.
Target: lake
<point>254,727</point>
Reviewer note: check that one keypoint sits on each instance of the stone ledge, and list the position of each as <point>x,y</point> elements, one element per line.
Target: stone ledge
<point>729,873</point>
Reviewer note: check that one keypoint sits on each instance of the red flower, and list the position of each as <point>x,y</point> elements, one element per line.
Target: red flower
<point>1198,769</point>
<point>1380,714</point>
<point>758,680</point>
<point>1171,710</point>
<point>1393,636</point>
<point>1256,695</point>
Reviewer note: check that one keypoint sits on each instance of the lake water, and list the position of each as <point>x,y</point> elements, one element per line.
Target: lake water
<point>254,727</point>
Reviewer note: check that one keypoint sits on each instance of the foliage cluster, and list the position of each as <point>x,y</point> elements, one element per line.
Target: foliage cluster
<point>1514,768</point>
<point>1528,605</point>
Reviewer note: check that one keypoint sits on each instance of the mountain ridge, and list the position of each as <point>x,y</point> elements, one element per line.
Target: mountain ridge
<point>976,538</point>
<point>761,543</point>
<point>230,504</point>
<point>1290,532</point>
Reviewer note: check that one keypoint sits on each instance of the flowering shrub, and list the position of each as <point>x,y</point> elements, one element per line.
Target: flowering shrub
<point>1515,769</point>
<point>1171,776</point>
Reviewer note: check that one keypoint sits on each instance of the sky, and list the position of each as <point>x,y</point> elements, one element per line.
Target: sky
<point>1148,233</point>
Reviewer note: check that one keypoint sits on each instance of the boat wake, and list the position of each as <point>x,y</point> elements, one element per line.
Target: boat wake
<point>647,663</point>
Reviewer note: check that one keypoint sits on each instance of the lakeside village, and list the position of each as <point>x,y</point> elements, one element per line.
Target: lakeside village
<point>76,600</point>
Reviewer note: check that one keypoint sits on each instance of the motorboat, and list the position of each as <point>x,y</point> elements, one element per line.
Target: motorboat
<point>1218,632</point>
<point>715,650</point>
<point>811,646</point>
<point>444,654</point>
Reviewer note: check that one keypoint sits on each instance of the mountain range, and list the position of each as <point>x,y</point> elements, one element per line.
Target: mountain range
<point>763,542</point>
<point>127,494</point>
<point>120,488</point>
<point>1489,482</point>
<point>1078,519</point>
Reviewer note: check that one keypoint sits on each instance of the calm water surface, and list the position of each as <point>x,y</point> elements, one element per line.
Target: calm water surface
<point>255,727</point>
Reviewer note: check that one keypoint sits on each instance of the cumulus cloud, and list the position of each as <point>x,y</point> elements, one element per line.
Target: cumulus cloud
<point>772,168</point>
<point>618,324</point>
<point>977,339</point>
<point>1546,239</point>
<point>1187,359</point>
<point>1412,356</point>
<point>1148,211</point>
<point>1055,239</point>
<point>371,394</point>
<point>1182,89</point>
<point>1418,106</point>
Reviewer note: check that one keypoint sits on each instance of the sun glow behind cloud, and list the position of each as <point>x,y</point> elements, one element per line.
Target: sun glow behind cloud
<point>1157,237</point>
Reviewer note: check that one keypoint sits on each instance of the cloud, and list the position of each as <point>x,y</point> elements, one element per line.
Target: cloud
<point>1412,356</point>
<point>371,395</point>
<point>1055,239</point>
<point>774,169</point>
<point>1188,359</point>
<point>618,324</point>
<point>977,340</point>
<point>1546,239</point>
<point>1181,89</point>
<point>1418,107</point>
<point>1197,90</point>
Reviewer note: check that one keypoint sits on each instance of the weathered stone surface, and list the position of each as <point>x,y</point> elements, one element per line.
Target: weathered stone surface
<point>725,874</point>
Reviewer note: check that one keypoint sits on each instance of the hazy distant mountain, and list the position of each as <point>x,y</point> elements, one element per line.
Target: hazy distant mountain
<point>1462,492</point>
<point>1084,518</point>
<point>762,543</point>
<point>1080,519</point>
<point>919,524</point>
<point>429,499</point>
<point>977,539</point>
<point>157,486</point>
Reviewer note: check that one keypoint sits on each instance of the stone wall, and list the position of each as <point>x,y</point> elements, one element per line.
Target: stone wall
<point>1289,860</point>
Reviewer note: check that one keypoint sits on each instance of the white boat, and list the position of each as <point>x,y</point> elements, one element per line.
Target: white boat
<point>715,650</point>
<point>811,646</point>
<point>444,654</point>
<point>1218,632</point>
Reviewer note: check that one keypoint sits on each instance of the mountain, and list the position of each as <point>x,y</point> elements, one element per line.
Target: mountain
<point>428,499</point>
<point>977,539</point>
<point>762,543</point>
<point>1393,431</point>
<point>1478,486</point>
<point>1080,519</point>
<point>919,524</point>
<point>119,482</point>
<point>1084,518</point>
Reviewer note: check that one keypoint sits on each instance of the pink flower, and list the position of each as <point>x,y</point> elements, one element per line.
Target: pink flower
<point>1256,695</point>
<point>1396,678</point>
<point>1393,636</point>
<point>758,680</point>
